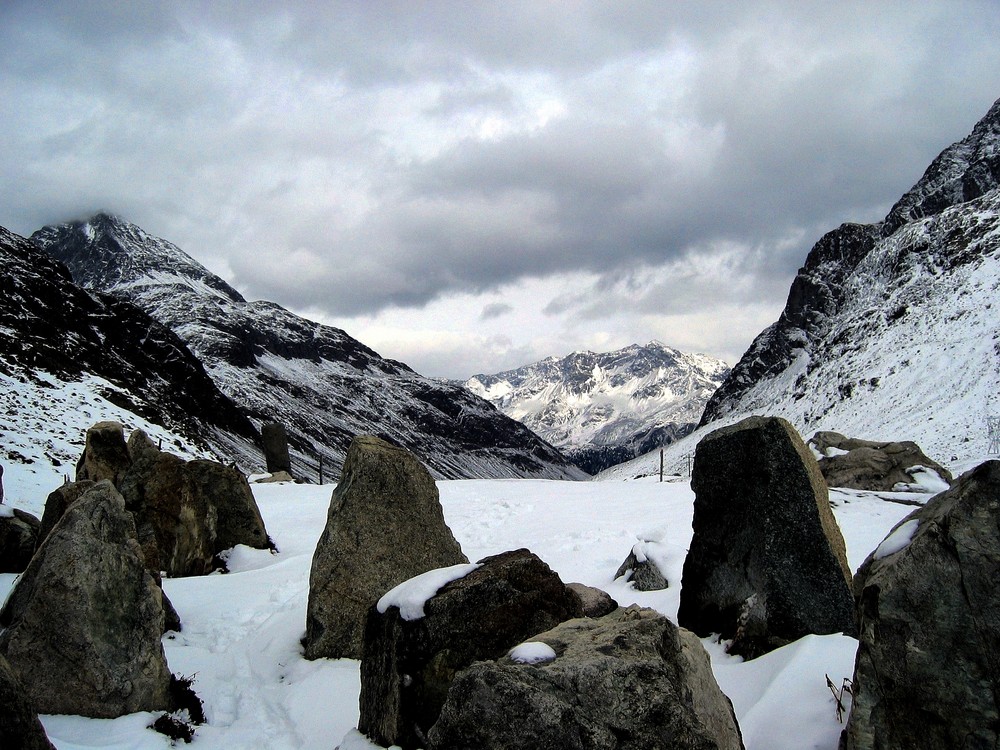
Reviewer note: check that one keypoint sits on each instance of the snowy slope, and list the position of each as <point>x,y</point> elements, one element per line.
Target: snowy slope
<point>242,630</point>
<point>891,330</point>
<point>323,385</point>
<point>602,409</point>
<point>69,358</point>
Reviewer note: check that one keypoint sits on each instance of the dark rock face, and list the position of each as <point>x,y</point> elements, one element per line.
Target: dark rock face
<point>385,525</point>
<point>105,455</point>
<point>19,724</point>
<point>58,328</point>
<point>82,627</point>
<point>927,673</point>
<point>628,681</point>
<point>275,440</point>
<point>408,665</point>
<point>19,532</point>
<point>327,388</point>
<point>870,465</point>
<point>767,563</point>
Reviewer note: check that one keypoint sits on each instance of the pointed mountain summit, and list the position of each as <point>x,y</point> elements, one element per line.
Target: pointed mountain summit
<point>890,330</point>
<point>324,386</point>
<point>602,409</point>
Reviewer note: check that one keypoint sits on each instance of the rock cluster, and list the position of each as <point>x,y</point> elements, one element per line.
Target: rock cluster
<point>82,628</point>
<point>871,465</point>
<point>408,664</point>
<point>628,681</point>
<point>767,563</point>
<point>385,525</point>
<point>927,673</point>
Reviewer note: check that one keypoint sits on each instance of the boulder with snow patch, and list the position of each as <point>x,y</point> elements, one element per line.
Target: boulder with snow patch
<point>385,525</point>
<point>105,455</point>
<point>641,570</point>
<point>594,601</point>
<point>927,672</point>
<point>877,466</point>
<point>767,563</point>
<point>18,539</point>
<point>20,728</point>
<point>416,643</point>
<point>82,627</point>
<point>629,681</point>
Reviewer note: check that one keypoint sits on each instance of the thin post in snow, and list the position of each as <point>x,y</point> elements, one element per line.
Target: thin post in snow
<point>321,468</point>
<point>661,464</point>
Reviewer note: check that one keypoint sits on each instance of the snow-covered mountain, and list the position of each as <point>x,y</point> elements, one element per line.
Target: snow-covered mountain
<point>70,358</point>
<point>323,385</point>
<point>892,330</point>
<point>602,409</point>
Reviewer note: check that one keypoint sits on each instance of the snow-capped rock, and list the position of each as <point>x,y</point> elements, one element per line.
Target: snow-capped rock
<point>323,385</point>
<point>602,409</point>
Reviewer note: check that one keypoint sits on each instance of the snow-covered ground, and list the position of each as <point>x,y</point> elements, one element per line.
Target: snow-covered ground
<point>241,633</point>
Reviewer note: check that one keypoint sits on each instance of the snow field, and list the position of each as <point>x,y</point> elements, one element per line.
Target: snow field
<point>242,630</point>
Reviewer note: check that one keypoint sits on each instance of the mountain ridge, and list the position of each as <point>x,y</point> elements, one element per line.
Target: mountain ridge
<point>321,383</point>
<point>602,408</point>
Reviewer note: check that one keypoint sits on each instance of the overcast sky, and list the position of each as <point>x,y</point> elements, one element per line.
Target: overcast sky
<point>472,186</point>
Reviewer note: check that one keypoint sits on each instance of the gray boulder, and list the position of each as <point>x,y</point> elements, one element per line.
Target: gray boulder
<point>408,664</point>
<point>767,563</point>
<point>82,627</point>
<point>594,602</point>
<point>385,525</point>
<point>628,681</point>
<point>871,465</point>
<point>927,673</point>
<point>187,512</point>
<point>105,455</point>
<point>20,728</point>
<point>275,441</point>
<point>57,502</point>
<point>19,533</point>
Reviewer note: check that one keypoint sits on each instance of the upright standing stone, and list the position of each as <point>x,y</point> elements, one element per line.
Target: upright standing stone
<point>385,525</point>
<point>82,627</point>
<point>18,539</point>
<point>767,563</point>
<point>57,502</point>
<point>275,440</point>
<point>927,673</point>
<point>105,455</point>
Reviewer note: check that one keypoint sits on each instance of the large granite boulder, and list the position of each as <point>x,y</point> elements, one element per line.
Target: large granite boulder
<point>927,673</point>
<point>19,533</point>
<point>187,512</point>
<point>82,627</point>
<point>385,525</point>
<point>411,657</point>
<point>20,728</point>
<point>105,455</point>
<point>628,681</point>
<point>875,466</point>
<point>767,563</point>
<point>57,502</point>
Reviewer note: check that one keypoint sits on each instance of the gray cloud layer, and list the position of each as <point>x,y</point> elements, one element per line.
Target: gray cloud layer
<point>351,157</point>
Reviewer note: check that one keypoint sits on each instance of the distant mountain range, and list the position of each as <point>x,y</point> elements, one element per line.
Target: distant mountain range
<point>321,384</point>
<point>892,330</point>
<point>602,409</point>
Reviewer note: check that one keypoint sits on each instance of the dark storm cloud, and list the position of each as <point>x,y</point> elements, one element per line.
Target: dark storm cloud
<point>352,156</point>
